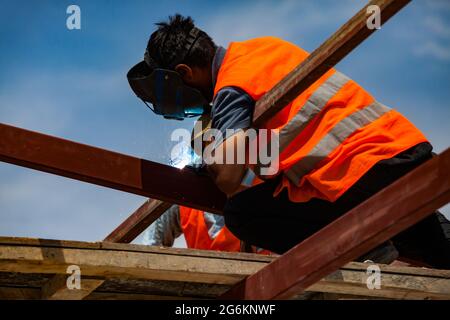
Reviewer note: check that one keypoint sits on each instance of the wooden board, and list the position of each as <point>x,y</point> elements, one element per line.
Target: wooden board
<point>138,271</point>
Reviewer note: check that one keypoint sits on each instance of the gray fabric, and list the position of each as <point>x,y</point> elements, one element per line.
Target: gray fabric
<point>232,109</point>
<point>311,108</point>
<point>248,178</point>
<point>165,229</point>
<point>341,131</point>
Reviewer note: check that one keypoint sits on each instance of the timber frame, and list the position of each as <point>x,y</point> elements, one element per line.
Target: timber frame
<point>126,271</point>
<point>35,268</point>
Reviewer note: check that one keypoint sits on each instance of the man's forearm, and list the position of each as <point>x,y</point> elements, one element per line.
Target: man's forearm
<point>227,177</point>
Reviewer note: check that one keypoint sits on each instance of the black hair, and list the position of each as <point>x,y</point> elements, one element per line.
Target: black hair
<point>166,44</point>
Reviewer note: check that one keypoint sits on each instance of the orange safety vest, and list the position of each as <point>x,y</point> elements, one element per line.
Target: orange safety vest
<point>196,233</point>
<point>331,134</point>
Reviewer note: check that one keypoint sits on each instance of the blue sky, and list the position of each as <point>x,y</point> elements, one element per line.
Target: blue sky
<point>72,84</point>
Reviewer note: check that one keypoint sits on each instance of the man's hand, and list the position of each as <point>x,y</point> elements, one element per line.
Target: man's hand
<point>228,176</point>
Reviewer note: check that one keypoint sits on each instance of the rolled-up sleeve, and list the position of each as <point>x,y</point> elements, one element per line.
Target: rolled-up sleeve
<point>232,109</point>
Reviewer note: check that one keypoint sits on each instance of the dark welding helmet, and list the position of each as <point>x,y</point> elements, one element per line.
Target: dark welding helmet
<point>164,89</point>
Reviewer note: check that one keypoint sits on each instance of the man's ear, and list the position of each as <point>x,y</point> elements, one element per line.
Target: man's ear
<point>185,72</point>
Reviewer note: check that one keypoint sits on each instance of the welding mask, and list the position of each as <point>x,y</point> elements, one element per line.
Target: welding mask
<point>164,89</point>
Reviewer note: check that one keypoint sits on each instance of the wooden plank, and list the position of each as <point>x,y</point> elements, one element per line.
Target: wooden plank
<point>123,285</point>
<point>137,222</point>
<point>392,210</point>
<point>394,285</point>
<point>132,271</point>
<point>132,296</point>
<point>110,169</point>
<point>68,244</point>
<point>164,288</point>
<point>56,288</point>
<point>23,241</point>
<point>19,293</point>
<point>13,293</point>
<point>243,256</point>
<point>143,265</point>
<point>401,270</point>
<point>333,50</point>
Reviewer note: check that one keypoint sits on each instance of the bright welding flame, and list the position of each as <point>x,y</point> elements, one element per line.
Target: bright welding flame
<point>182,156</point>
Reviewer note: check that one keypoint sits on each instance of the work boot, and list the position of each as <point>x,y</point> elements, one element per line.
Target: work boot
<point>386,253</point>
<point>427,242</point>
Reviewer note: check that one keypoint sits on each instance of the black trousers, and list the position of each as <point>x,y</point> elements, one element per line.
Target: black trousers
<point>278,224</point>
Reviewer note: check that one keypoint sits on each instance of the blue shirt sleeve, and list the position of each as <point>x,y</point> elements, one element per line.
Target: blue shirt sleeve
<point>232,109</point>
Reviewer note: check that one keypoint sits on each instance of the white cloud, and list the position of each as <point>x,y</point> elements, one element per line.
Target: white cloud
<point>29,105</point>
<point>438,5</point>
<point>436,38</point>
<point>291,20</point>
<point>427,31</point>
<point>437,26</point>
<point>433,49</point>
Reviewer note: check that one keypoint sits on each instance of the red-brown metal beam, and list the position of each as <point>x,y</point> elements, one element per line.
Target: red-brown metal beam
<point>135,224</point>
<point>390,211</point>
<point>110,169</point>
<point>343,41</point>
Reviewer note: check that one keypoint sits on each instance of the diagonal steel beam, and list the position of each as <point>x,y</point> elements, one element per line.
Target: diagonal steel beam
<point>392,210</point>
<point>135,224</point>
<point>107,168</point>
<point>342,42</point>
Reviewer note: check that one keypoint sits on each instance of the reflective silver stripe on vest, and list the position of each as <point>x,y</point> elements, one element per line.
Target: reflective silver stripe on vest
<point>311,108</point>
<point>334,138</point>
<point>249,177</point>
<point>214,224</point>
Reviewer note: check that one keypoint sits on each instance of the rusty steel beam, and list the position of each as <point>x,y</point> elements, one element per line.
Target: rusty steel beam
<point>333,50</point>
<point>109,169</point>
<point>135,224</point>
<point>392,210</point>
